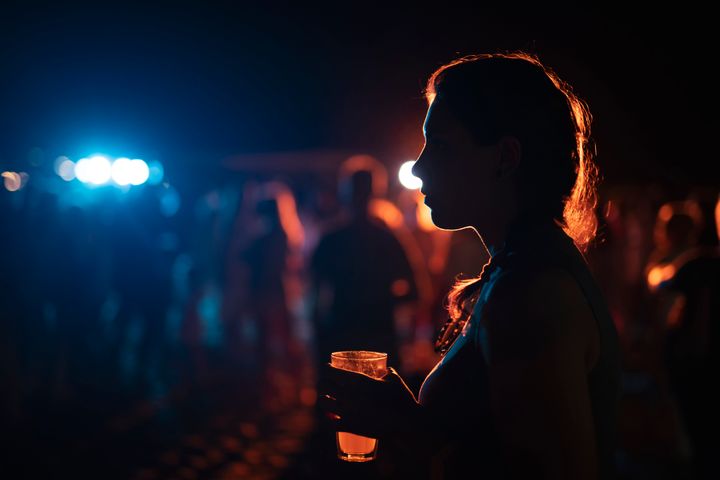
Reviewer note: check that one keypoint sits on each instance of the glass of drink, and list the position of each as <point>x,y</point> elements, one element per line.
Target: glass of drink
<point>351,447</point>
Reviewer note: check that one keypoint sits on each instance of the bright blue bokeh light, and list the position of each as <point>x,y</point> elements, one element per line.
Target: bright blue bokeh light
<point>96,170</point>
<point>157,172</point>
<point>66,170</point>
<point>99,170</point>
<point>122,171</point>
<point>139,172</point>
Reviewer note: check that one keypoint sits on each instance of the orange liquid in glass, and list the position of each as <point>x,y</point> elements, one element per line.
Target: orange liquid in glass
<point>356,448</point>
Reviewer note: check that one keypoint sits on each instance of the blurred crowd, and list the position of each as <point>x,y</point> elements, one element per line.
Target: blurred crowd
<point>136,295</point>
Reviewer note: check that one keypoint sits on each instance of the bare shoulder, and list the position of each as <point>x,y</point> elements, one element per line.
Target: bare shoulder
<point>531,310</point>
<point>538,324</point>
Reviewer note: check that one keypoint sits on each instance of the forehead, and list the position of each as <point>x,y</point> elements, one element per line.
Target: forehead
<point>439,120</point>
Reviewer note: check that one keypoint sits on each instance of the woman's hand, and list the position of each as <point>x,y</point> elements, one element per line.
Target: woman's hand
<point>357,403</point>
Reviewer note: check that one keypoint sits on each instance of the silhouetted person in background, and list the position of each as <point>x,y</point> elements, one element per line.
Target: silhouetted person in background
<point>691,346</point>
<point>529,383</point>
<point>360,274</point>
<point>676,231</point>
<point>266,260</point>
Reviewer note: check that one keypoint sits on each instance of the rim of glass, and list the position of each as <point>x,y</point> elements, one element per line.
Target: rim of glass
<point>359,354</point>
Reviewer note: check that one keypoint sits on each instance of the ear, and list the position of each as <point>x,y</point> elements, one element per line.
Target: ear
<point>510,151</point>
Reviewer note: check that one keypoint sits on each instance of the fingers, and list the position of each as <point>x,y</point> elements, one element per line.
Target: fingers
<point>330,414</point>
<point>347,377</point>
<point>330,406</point>
<point>343,384</point>
<point>340,419</point>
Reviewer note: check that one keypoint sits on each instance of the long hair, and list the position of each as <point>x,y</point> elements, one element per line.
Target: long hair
<point>515,94</point>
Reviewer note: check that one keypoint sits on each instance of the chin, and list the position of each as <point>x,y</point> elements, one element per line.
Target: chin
<point>446,222</point>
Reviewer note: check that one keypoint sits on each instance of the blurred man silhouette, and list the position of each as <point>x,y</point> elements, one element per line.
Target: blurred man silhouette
<point>361,276</point>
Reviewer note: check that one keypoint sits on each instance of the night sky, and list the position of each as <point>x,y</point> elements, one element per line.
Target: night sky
<point>194,82</point>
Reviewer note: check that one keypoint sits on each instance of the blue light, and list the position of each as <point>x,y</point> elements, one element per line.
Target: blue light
<point>66,170</point>
<point>139,172</point>
<point>169,201</point>
<point>96,170</point>
<point>59,161</point>
<point>99,170</point>
<point>122,171</point>
<point>157,172</point>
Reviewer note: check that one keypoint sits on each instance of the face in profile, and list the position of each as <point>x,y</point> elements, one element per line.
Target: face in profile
<point>458,175</point>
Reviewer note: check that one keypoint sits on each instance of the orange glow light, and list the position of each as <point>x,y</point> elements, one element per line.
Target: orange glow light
<point>659,274</point>
<point>424,218</point>
<point>308,396</point>
<point>386,211</point>
<point>655,277</point>
<point>400,287</point>
<point>665,212</point>
<point>289,219</point>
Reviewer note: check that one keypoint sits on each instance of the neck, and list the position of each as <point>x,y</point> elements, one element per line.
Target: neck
<point>493,234</point>
<point>497,233</point>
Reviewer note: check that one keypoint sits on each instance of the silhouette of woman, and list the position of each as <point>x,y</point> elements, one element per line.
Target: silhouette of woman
<point>529,380</point>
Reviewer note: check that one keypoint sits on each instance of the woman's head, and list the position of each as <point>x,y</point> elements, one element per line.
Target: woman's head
<point>506,137</point>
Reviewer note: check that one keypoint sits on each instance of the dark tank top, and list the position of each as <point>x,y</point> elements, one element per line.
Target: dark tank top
<point>456,394</point>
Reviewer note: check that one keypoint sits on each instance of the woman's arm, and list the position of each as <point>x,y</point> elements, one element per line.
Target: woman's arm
<point>384,409</point>
<point>539,330</point>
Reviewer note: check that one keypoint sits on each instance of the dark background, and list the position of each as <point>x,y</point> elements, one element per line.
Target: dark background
<point>191,82</point>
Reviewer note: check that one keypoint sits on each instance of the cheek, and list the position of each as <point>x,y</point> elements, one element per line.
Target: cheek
<point>453,178</point>
<point>453,209</point>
